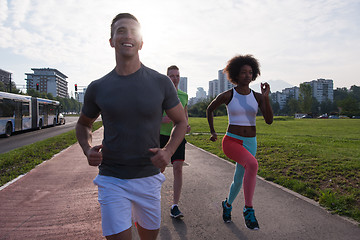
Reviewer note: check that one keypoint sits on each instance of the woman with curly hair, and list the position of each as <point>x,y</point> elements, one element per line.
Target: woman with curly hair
<point>239,142</point>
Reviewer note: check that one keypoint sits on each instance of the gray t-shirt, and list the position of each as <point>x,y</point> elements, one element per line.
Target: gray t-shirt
<point>131,108</point>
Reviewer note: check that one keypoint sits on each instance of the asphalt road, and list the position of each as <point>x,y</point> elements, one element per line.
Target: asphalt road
<point>57,200</point>
<point>28,137</point>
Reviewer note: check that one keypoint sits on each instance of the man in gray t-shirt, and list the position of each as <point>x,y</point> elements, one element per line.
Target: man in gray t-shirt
<point>131,100</point>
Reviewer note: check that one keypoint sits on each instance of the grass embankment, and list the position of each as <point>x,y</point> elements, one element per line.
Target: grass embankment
<point>318,158</point>
<point>22,160</point>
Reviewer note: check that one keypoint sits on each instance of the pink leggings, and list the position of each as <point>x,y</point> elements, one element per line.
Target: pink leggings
<point>234,149</point>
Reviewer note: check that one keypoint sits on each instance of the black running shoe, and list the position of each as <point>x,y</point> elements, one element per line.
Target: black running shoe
<point>226,212</point>
<point>175,212</point>
<point>250,219</point>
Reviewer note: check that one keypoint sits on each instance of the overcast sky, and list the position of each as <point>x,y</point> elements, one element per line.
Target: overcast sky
<point>294,40</point>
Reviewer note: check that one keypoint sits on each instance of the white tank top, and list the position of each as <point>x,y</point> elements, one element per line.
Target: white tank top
<point>242,109</point>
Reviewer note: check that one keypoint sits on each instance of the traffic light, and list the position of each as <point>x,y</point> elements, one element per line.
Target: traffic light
<point>75,87</point>
<point>37,87</point>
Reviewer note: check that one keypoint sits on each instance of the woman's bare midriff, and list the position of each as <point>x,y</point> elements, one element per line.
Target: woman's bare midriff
<point>243,131</point>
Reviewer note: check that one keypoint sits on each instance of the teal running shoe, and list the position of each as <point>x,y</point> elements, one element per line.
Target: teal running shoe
<point>226,212</point>
<point>250,219</point>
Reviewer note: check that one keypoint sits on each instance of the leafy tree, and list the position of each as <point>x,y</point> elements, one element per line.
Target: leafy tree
<point>327,106</point>
<point>355,92</point>
<point>275,107</point>
<point>292,106</point>
<point>315,107</point>
<point>340,94</point>
<point>5,88</point>
<point>199,109</point>
<point>349,106</point>
<point>305,97</point>
<point>50,96</point>
<point>2,87</point>
<point>33,93</point>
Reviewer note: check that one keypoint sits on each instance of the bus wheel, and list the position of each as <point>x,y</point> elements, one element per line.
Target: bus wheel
<point>40,124</point>
<point>54,122</point>
<point>8,130</point>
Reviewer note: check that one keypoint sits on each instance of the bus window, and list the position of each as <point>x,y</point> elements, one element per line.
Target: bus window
<point>51,110</point>
<point>25,109</point>
<point>1,108</point>
<point>41,109</point>
<point>8,108</point>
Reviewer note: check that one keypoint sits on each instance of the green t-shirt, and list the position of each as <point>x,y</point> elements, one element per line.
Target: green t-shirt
<point>167,127</point>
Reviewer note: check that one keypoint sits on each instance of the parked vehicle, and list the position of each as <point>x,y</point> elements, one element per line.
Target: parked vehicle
<point>324,116</point>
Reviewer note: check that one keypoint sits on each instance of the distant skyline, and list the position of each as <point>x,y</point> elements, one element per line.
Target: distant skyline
<point>276,85</point>
<point>295,41</point>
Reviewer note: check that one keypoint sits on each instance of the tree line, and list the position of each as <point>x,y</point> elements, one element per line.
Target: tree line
<point>68,104</point>
<point>346,102</point>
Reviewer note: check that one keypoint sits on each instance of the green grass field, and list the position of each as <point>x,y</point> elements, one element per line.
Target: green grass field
<point>318,158</point>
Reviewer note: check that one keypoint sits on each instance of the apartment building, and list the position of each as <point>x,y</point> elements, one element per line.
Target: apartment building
<point>214,88</point>
<point>322,89</point>
<point>224,83</point>
<point>48,80</point>
<point>183,84</point>
<point>5,77</point>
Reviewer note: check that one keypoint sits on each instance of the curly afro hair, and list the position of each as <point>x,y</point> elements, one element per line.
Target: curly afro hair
<point>234,65</point>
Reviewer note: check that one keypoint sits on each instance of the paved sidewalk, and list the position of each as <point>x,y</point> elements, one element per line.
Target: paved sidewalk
<point>57,200</point>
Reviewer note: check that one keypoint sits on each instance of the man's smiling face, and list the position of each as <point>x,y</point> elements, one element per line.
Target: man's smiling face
<point>126,39</point>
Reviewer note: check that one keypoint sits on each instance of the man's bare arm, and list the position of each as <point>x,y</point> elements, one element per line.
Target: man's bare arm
<point>162,156</point>
<point>84,135</point>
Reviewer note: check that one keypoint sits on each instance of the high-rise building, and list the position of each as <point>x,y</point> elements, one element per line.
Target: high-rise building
<point>5,77</point>
<point>80,95</point>
<point>183,84</point>
<point>48,80</point>
<point>322,89</point>
<point>280,98</point>
<point>292,92</point>
<point>224,83</point>
<point>284,95</point>
<point>214,88</point>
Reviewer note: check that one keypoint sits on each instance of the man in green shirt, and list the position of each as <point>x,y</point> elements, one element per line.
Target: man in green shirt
<point>179,156</point>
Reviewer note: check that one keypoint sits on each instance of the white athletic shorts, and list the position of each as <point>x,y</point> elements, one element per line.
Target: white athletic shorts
<point>124,200</point>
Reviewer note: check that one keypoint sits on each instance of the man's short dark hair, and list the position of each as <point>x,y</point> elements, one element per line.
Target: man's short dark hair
<point>234,65</point>
<point>172,67</point>
<point>120,16</point>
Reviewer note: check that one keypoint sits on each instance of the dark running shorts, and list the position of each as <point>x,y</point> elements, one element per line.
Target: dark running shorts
<point>180,151</point>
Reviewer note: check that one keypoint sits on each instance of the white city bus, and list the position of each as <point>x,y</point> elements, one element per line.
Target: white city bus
<point>21,112</point>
